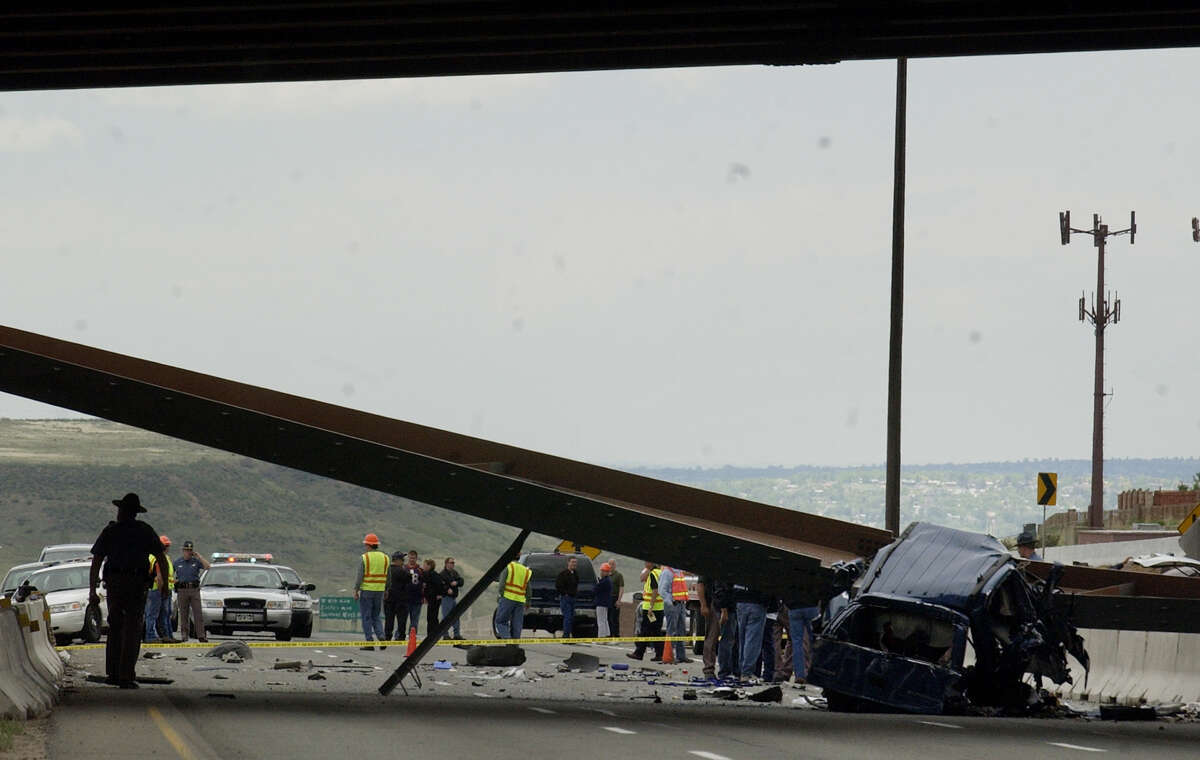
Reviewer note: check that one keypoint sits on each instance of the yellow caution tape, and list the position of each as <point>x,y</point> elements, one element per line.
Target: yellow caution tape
<point>399,644</point>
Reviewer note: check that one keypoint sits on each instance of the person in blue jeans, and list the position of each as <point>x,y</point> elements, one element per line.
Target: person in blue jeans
<point>154,605</point>
<point>567,585</point>
<point>801,632</point>
<point>751,620</point>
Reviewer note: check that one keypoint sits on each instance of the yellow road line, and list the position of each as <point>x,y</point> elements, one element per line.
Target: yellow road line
<point>169,733</point>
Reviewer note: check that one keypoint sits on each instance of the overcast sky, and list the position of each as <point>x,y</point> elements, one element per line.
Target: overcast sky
<point>672,267</point>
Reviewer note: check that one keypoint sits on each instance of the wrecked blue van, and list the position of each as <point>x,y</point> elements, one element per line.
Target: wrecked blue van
<point>944,620</point>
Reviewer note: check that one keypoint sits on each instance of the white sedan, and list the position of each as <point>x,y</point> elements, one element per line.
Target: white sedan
<point>65,588</point>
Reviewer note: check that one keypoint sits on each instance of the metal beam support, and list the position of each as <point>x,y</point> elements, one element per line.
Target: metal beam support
<point>730,538</point>
<point>410,663</point>
<point>896,339</point>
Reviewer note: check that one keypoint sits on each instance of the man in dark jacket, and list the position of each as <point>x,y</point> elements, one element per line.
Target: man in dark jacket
<point>127,544</point>
<point>452,583</point>
<point>433,595</point>
<point>395,612</point>
<point>567,585</point>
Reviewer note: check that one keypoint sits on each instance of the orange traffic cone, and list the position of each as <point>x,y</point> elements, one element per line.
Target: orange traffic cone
<point>668,652</point>
<point>412,641</point>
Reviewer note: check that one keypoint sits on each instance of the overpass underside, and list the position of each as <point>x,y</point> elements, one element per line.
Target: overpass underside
<point>733,539</point>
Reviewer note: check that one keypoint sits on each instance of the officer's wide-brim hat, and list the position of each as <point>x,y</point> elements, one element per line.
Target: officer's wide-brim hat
<point>1026,539</point>
<point>129,501</point>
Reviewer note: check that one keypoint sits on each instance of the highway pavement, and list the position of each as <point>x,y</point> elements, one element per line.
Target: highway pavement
<point>252,710</point>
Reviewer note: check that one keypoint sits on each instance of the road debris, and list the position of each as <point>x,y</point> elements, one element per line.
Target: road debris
<point>237,648</point>
<point>296,665</point>
<point>585,663</point>
<point>723,692</point>
<point>221,695</point>
<point>151,655</point>
<point>771,694</point>
<point>1127,712</point>
<point>318,676</point>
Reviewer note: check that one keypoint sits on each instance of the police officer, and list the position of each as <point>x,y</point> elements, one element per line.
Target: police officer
<point>1027,546</point>
<point>187,592</point>
<point>124,549</point>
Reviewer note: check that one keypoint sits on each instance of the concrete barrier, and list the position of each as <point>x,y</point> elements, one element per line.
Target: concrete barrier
<point>34,616</point>
<point>31,628</point>
<point>1138,667</point>
<point>22,686</point>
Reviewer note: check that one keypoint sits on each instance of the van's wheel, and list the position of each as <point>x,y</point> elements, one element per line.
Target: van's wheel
<point>61,640</point>
<point>283,635</point>
<point>307,632</point>
<point>91,624</point>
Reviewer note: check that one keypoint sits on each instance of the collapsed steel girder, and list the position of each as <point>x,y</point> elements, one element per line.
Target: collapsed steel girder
<point>1126,600</point>
<point>54,44</point>
<point>732,539</point>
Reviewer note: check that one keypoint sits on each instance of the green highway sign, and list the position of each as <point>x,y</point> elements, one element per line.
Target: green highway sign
<point>339,608</point>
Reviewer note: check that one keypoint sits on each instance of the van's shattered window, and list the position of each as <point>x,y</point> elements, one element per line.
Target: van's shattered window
<point>903,633</point>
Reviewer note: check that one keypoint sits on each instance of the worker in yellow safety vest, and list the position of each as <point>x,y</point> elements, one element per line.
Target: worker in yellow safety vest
<point>158,607</point>
<point>675,610</point>
<point>652,614</point>
<point>368,588</point>
<point>514,600</point>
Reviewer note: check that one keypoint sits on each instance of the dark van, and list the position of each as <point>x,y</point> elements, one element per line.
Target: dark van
<point>543,613</point>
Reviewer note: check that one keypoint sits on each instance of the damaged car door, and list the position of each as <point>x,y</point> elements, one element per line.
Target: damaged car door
<point>887,652</point>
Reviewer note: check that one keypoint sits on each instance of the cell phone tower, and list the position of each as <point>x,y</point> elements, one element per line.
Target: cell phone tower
<point>1105,309</point>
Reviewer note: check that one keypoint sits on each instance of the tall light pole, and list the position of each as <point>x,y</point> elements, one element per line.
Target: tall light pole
<point>891,508</point>
<point>1103,312</point>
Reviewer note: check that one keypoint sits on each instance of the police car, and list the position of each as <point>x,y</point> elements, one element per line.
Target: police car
<point>65,588</point>
<point>246,596</point>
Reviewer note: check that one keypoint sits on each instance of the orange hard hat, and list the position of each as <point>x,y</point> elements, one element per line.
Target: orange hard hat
<point>371,539</point>
<point>606,566</point>
<point>165,541</point>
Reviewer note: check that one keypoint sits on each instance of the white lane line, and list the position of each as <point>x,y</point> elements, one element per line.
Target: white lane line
<point>543,711</point>
<point>616,730</point>
<point>609,713</point>
<point>939,725</point>
<point>1064,745</point>
<point>706,755</point>
<point>481,694</point>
